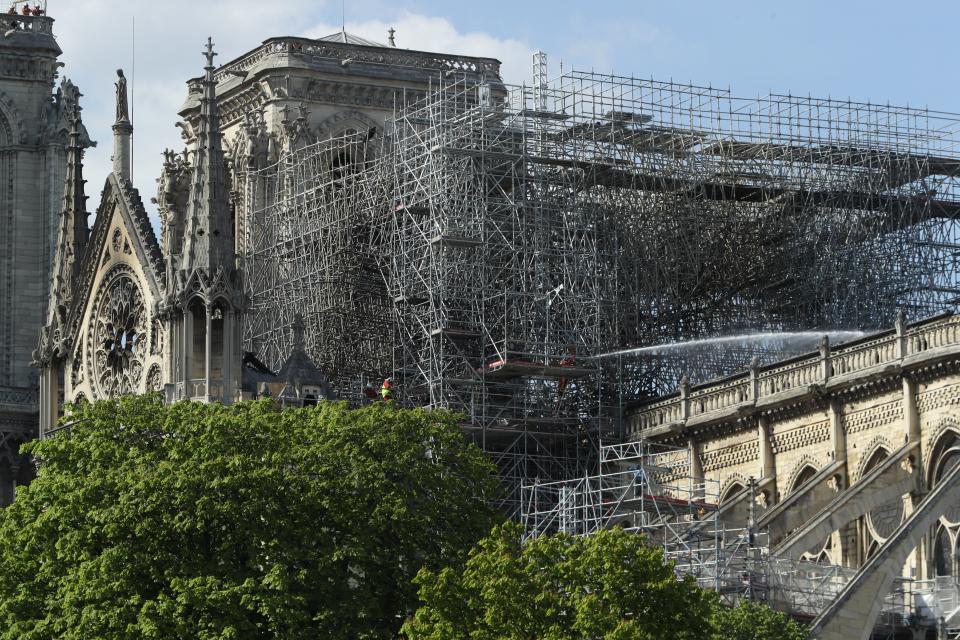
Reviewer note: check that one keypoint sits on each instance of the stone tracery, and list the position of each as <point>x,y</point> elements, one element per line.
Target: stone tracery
<point>114,351</point>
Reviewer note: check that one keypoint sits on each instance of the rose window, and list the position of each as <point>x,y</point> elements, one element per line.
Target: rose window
<point>120,326</point>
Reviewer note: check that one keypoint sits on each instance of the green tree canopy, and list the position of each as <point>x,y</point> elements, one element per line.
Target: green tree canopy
<point>752,621</point>
<point>211,522</point>
<point>610,585</point>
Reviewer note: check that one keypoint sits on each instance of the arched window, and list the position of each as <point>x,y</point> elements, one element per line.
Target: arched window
<point>806,474</point>
<point>731,492</point>
<point>944,557</point>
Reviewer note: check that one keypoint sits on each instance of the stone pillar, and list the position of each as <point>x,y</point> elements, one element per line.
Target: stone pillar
<point>208,351</point>
<point>49,397</point>
<point>768,468</point>
<point>754,378</point>
<point>838,438</point>
<point>911,415</point>
<point>122,132</point>
<point>696,466</point>
<point>919,558</point>
<point>229,355</point>
<point>186,340</point>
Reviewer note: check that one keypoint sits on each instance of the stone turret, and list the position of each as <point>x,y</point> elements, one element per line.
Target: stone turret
<point>204,302</point>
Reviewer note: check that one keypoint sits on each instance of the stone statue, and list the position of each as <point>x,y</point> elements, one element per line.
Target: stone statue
<point>123,114</point>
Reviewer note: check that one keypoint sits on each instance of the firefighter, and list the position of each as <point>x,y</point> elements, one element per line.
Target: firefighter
<point>386,390</point>
<point>568,361</point>
<point>369,393</point>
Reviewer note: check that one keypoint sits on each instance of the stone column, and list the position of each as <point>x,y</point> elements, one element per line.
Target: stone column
<point>838,438</point>
<point>208,350</point>
<point>122,132</point>
<point>186,339</point>
<point>768,468</point>
<point>696,466</point>
<point>229,355</point>
<point>49,397</point>
<point>911,415</point>
<point>919,557</point>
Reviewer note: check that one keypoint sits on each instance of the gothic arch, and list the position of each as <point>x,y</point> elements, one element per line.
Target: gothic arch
<point>948,428</point>
<point>335,124</point>
<point>806,462</point>
<point>11,123</point>
<point>869,452</point>
<point>734,484</point>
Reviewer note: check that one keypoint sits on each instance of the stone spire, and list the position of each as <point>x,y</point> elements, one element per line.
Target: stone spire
<point>74,230</point>
<point>208,240</point>
<point>122,130</point>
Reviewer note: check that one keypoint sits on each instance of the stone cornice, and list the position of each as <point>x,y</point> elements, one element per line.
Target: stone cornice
<point>321,50</point>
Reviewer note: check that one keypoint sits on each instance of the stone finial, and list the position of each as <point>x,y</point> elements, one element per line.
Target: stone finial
<point>901,322</point>
<point>390,36</point>
<point>824,345</point>
<point>209,53</point>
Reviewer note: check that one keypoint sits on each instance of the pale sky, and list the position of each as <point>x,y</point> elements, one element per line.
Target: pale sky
<point>881,50</point>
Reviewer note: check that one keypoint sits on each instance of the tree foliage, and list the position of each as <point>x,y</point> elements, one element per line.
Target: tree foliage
<point>609,586</point>
<point>751,621</point>
<point>211,522</point>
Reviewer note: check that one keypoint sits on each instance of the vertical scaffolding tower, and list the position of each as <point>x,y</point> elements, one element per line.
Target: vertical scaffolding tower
<point>309,253</point>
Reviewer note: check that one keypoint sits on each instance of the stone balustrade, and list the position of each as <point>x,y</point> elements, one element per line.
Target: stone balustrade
<point>783,381</point>
<point>30,24</point>
<point>793,376</point>
<point>716,398</point>
<point>195,390</point>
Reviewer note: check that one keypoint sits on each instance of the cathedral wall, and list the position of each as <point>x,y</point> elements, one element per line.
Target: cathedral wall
<point>938,406</point>
<point>870,424</point>
<point>799,442</point>
<point>731,456</point>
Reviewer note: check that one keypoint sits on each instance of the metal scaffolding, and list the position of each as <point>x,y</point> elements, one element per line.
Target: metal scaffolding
<point>647,489</point>
<point>309,253</point>
<point>491,247</point>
